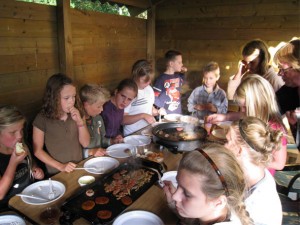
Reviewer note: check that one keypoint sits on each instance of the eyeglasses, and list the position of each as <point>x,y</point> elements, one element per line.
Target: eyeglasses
<point>283,71</point>
<point>216,169</point>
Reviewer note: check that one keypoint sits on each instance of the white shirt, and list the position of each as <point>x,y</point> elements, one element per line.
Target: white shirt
<point>263,204</point>
<point>142,104</point>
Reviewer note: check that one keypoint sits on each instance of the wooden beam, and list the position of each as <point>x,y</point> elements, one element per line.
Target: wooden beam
<point>145,4</point>
<point>65,38</point>
<point>151,36</point>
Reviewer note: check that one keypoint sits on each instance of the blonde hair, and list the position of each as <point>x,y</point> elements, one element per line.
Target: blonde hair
<point>259,98</point>
<point>211,185</point>
<point>9,115</point>
<point>254,134</point>
<point>289,53</point>
<point>210,67</point>
<point>91,93</point>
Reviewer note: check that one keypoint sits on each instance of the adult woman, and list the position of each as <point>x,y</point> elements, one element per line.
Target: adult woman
<point>255,61</point>
<point>252,141</point>
<point>210,188</point>
<point>256,97</point>
<point>16,170</point>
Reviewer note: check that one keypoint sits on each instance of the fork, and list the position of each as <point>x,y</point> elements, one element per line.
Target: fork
<point>51,194</point>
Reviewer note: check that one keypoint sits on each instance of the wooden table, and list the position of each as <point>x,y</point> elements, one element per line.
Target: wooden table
<point>153,200</point>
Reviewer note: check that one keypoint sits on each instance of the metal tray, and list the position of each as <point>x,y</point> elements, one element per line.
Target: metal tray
<point>72,207</point>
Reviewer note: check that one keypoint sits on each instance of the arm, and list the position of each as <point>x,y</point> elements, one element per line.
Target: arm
<point>223,107</point>
<point>8,177</point>
<point>231,116</point>
<point>41,154</point>
<point>191,102</point>
<point>130,119</point>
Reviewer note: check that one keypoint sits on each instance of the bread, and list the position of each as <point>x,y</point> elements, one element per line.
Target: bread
<point>104,214</point>
<point>88,205</point>
<point>20,148</point>
<point>102,200</point>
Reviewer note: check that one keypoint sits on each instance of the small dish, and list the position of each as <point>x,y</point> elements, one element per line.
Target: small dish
<point>85,180</point>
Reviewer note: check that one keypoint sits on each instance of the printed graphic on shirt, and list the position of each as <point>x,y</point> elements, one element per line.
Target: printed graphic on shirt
<point>173,93</point>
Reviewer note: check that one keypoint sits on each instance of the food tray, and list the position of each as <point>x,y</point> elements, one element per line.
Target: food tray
<point>73,206</point>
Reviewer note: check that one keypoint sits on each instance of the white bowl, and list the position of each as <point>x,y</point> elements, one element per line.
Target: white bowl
<point>84,180</point>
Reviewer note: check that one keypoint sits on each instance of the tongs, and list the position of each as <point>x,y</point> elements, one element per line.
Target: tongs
<point>160,182</point>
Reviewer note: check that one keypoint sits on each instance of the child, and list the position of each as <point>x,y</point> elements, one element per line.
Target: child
<point>211,188</point>
<point>93,97</point>
<point>252,142</point>
<point>208,98</point>
<point>168,85</point>
<point>59,129</point>
<point>113,110</point>
<point>16,169</point>
<point>140,112</point>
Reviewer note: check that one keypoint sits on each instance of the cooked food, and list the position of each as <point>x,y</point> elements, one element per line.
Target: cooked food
<point>88,205</point>
<point>153,156</point>
<point>90,192</point>
<point>181,134</point>
<point>126,200</point>
<point>102,200</point>
<point>124,183</point>
<point>104,214</point>
<point>20,148</point>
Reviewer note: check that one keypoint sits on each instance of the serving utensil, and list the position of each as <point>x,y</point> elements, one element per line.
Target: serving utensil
<point>160,182</point>
<point>32,196</point>
<point>51,194</point>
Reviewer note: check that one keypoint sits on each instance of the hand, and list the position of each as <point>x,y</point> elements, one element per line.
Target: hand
<point>162,112</point>
<point>149,118</point>
<point>68,167</point>
<point>38,173</point>
<point>183,69</point>
<point>210,107</point>
<point>117,139</point>
<point>16,159</point>
<point>99,152</point>
<point>199,107</point>
<point>291,116</point>
<point>76,116</point>
<point>169,190</point>
<point>215,118</point>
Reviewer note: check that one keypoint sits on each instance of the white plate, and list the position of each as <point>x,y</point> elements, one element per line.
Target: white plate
<point>11,219</point>
<point>137,140</point>
<point>138,217</point>
<point>172,117</point>
<point>219,133</point>
<point>101,164</point>
<point>41,189</point>
<point>171,176</point>
<point>117,150</point>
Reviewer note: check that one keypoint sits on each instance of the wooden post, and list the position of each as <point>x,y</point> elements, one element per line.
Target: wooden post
<point>151,36</point>
<point>64,32</point>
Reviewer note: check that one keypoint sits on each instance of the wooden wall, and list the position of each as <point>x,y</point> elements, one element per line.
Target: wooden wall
<point>217,30</point>
<point>104,49</point>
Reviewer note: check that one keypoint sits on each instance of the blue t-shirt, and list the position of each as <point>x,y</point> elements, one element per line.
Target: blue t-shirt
<point>167,92</point>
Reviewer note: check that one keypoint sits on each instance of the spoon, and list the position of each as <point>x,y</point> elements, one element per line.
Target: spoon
<point>33,197</point>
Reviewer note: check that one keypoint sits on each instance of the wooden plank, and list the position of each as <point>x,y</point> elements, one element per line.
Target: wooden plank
<point>27,28</point>
<point>26,10</point>
<point>23,42</point>
<point>65,48</point>
<point>151,35</point>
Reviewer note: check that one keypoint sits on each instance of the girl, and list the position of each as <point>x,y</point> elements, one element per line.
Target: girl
<point>256,59</point>
<point>211,188</point>
<point>15,169</point>
<point>141,112</point>
<point>256,97</point>
<point>59,129</point>
<point>113,110</point>
<point>208,98</point>
<point>252,141</point>
<point>93,97</point>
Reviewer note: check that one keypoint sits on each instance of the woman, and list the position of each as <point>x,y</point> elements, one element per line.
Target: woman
<point>211,188</point>
<point>256,97</point>
<point>252,142</point>
<point>256,59</point>
<point>16,170</point>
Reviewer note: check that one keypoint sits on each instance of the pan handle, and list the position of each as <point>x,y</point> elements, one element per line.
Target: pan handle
<point>171,148</point>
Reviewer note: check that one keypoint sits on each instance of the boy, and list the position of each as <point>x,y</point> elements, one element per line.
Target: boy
<point>208,98</point>
<point>168,85</point>
<point>93,97</point>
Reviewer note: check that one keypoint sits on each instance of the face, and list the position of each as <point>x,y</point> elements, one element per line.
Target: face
<point>190,201</point>
<point>230,144</point>
<point>94,109</point>
<point>143,82</point>
<point>177,64</point>
<point>67,97</point>
<point>12,134</point>
<point>252,61</point>
<point>242,105</point>
<point>124,97</point>
<point>290,76</point>
<point>210,78</point>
